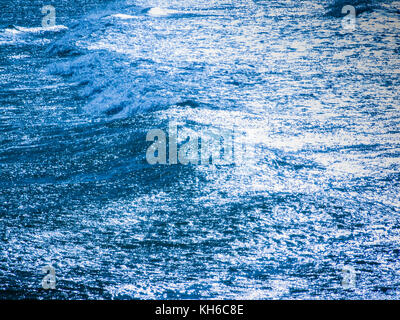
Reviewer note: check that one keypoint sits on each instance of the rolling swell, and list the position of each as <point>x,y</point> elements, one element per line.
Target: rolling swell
<point>317,190</point>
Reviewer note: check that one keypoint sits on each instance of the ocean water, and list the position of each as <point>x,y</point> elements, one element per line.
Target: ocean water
<point>315,104</point>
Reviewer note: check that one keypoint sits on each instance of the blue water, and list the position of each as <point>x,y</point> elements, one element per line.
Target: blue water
<point>318,104</point>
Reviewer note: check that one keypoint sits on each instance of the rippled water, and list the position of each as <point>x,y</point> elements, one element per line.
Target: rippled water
<point>317,103</point>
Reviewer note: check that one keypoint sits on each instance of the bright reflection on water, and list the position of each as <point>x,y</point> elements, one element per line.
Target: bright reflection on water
<point>317,103</point>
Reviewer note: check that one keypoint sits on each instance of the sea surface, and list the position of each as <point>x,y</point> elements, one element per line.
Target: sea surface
<point>315,102</point>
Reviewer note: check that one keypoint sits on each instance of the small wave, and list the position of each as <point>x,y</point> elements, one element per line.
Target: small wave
<point>16,35</point>
<point>188,103</point>
<point>160,12</point>
<point>19,57</point>
<point>64,49</point>
<point>109,91</point>
<point>18,29</point>
<point>122,16</point>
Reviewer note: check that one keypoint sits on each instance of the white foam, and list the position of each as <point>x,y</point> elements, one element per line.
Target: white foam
<point>160,12</point>
<point>18,29</point>
<point>122,16</point>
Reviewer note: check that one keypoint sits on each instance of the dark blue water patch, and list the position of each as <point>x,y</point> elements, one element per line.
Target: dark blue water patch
<point>361,6</point>
<point>113,110</point>
<point>188,103</point>
<point>294,163</point>
<point>64,50</point>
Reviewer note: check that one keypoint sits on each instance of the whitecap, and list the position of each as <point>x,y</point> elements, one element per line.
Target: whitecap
<point>160,12</point>
<point>122,16</point>
<point>18,29</point>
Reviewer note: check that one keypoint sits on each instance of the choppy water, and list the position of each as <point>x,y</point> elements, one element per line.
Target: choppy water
<point>319,104</point>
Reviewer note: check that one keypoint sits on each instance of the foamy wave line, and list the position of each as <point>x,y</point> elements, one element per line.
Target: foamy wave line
<point>161,12</point>
<point>18,29</point>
